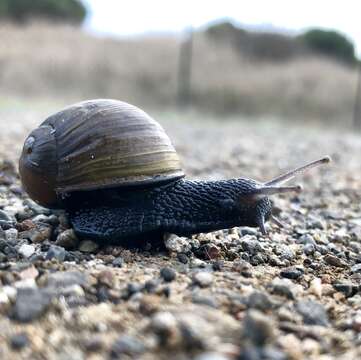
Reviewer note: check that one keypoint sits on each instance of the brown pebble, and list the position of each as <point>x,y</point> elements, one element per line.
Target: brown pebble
<point>334,261</point>
<point>25,225</point>
<point>106,278</point>
<point>43,232</point>
<point>149,304</point>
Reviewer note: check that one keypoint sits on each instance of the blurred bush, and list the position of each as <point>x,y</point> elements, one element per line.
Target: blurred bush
<point>278,47</point>
<point>330,43</point>
<point>260,45</point>
<point>72,11</point>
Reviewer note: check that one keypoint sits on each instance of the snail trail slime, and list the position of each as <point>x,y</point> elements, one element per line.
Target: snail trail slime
<point>114,170</point>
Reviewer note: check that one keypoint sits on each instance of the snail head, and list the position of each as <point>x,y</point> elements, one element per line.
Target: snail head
<point>258,196</point>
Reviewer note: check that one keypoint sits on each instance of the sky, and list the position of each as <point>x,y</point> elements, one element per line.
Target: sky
<point>135,17</point>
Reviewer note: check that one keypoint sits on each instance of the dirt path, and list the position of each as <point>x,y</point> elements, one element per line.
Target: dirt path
<point>233,294</point>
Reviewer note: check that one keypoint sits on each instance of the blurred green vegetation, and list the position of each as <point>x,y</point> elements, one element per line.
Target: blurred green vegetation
<point>259,45</point>
<point>330,42</point>
<point>279,47</point>
<point>72,11</point>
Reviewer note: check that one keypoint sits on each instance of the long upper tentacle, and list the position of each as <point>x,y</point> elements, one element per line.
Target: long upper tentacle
<point>291,174</point>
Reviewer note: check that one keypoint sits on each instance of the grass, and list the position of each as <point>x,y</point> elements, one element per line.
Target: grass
<point>62,62</point>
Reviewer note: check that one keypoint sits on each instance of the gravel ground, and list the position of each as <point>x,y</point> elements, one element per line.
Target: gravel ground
<point>232,294</point>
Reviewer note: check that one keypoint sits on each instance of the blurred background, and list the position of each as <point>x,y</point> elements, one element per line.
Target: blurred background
<point>297,61</point>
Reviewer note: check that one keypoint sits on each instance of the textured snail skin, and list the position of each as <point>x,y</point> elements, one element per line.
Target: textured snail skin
<point>182,207</point>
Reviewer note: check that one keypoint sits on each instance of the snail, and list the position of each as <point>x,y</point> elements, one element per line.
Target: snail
<point>115,171</point>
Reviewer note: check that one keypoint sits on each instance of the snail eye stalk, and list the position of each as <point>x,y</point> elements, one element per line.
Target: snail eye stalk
<point>300,170</point>
<point>273,187</point>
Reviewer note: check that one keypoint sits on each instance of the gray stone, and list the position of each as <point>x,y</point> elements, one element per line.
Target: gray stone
<point>356,268</point>
<point>347,288</point>
<point>261,353</point>
<point>252,247</point>
<point>309,249</point>
<point>258,328</point>
<point>67,278</point>
<point>37,209</point>
<point>88,246</point>
<point>118,262</point>
<point>6,220</point>
<point>204,300</point>
<point>56,252</point>
<point>313,313</point>
<point>283,287</point>
<point>211,356</point>
<point>306,239</point>
<point>30,304</point>
<point>168,274</point>
<point>128,345</point>
<point>284,252</point>
<point>291,273</point>
<point>260,301</point>
<point>19,341</point>
<point>67,239</point>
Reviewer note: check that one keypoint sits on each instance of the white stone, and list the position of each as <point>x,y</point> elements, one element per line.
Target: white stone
<point>164,321</point>
<point>203,278</point>
<point>11,234</point>
<point>177,244</point>
<point>26,250</point>
<point>26,283</point>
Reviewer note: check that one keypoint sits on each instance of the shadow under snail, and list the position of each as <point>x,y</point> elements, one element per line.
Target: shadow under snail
<point>115,171</point>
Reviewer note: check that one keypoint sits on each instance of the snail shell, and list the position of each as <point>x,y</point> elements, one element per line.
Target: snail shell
<point>92,145</point>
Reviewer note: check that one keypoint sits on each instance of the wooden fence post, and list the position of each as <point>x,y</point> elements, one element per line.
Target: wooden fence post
<point>184,92</point>
<point>357,107</point>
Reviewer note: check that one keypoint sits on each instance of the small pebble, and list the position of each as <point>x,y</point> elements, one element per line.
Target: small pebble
<point>67,239</point>
<point>118,262</point>
<point>88,246</point>
<point>11,235</point>
<point>168,274</point>
<point>106,277</point>
<point>356,268</point>
<point>56,252</point>
<point>40,233</point>
<point>283,287</point>
<point>30,304</point>
<point>306,239</point>
<point>334,261</point>
<point>93,344</point>
<point>347,288</point>
<point>26,250</point>
<point>291,273</point>
<point>203,278</point>
<point>19,341</point>
<point>211,356</point>
<point>176,243</point>
<point>316,287</point>
<point>309,249</point>
<point>183,258</point>
<point>260,301</point>
<point>313,313</point>
<point>258,327</point>
<point>126,345</point>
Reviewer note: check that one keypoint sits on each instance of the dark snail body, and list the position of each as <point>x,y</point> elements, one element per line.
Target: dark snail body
<point>182,207</point>
<point>115,171</point>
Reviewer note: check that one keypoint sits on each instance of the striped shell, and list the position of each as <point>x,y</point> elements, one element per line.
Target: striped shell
<point>104,143</point>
